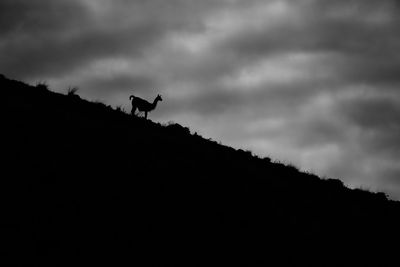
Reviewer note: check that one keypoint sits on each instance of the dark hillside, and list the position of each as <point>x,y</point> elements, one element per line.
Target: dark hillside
<point>83,181</point>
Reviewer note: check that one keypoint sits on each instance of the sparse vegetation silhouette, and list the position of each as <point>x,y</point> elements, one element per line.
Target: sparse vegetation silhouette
<point>72,91</point>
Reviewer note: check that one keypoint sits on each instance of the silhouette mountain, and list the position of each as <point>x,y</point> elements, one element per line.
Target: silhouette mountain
<point>83,182</point>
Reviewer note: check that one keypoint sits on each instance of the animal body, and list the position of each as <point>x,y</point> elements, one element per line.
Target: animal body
<point>142,105</point>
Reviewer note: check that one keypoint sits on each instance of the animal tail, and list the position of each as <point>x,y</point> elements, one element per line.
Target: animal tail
<point>130,97</point>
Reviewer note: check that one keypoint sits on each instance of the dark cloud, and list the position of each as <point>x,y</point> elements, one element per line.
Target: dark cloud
<point>56,55</point>
<point>392,176</point>
<point>57,37</point>
<point>378,120</point>
<point>106,86</point>
<point>372,112</point>
<point>37,18</point>
<point>360,38</point>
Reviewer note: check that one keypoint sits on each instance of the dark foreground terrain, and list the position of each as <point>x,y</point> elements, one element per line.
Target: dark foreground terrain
<point>84,183</point>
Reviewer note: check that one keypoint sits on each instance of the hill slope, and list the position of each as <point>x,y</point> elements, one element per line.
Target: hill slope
<point>82,180</point>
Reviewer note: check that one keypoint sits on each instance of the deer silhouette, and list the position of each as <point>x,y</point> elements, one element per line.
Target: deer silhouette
<point>142,105</point>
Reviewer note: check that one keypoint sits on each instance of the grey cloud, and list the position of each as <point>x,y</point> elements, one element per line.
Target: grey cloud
<point>106,86</point>
<point>378,121</point>
<point>372,112</point>
<point>57,37</point>
<point>392,176</point>
<point>213,99</point>
<point>360,51</point>
<point>205,104</point>
<point>365,127</point>
<point>320,132</point>
<point>55,55</point>
<point>39,17</point>
<point>380,70</point>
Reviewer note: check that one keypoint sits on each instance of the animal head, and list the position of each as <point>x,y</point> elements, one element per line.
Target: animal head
<point>159,98</point>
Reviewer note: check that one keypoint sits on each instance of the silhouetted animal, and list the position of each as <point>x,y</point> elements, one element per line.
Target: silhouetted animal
<point>142,105</point>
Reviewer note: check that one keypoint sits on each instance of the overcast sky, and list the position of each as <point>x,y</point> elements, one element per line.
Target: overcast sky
<point>314,83</point>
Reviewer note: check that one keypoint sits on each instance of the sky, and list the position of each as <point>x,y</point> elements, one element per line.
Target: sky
<point>313,83</point>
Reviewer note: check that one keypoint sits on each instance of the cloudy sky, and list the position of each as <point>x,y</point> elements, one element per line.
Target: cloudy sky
<point>314,83</point>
